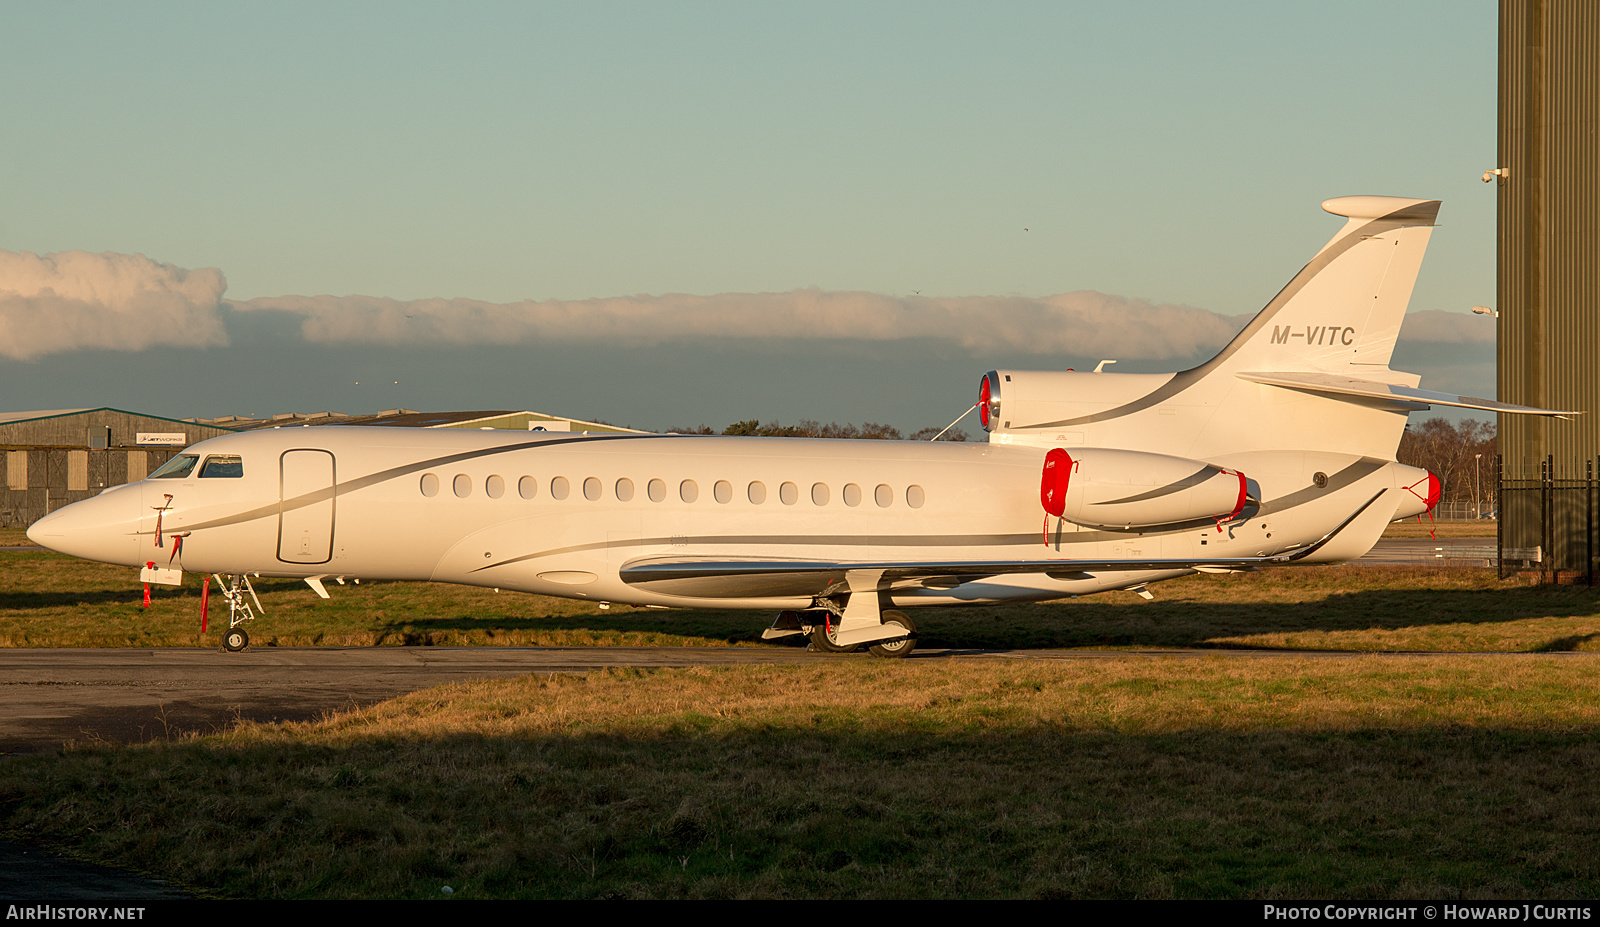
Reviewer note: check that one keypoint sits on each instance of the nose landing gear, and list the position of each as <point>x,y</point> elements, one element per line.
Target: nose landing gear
<point>239,610</point>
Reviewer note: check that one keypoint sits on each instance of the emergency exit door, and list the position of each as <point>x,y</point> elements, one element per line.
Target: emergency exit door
<point>306,500</point>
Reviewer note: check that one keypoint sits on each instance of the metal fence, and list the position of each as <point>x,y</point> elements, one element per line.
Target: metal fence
<point>1547,524</point>
<point>1464,511</point>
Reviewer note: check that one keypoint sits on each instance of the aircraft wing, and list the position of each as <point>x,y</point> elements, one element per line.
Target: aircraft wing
<point>1337,385</point>
<point>755,578</point>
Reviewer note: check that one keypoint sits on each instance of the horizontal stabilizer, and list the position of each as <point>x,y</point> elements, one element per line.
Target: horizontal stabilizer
<point>1337,386</point>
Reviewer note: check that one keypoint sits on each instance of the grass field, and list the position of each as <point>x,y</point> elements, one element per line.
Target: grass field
<point>1413,528</point>
<point>47,600</point>
<point>1137,777</point>
<point>1368,776</point>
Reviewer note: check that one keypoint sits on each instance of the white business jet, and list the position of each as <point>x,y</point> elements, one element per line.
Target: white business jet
<point>1279,450</point>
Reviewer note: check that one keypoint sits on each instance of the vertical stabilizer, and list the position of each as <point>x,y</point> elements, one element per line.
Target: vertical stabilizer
<point>1339,317</point>
<point>1342,312</point>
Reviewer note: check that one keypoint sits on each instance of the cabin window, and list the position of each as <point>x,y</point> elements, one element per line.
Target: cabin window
<point>177,468</point>
<point>657,490</point>
<point>591,489</point>
<point>527,487</point>
<point>494,487</point>
<point>461,485</point>
<point>559,487</point>
<point>722,491</point>
<point>883,495</point>
<point>788,494</point>
<point>819,493</point>
<point>915,496</point>
<point>688,491</point>
<point>430,485</point>
<point>852,494</point>
<point>624,490</point>
<point>226,466</point>
<point>758,492</point>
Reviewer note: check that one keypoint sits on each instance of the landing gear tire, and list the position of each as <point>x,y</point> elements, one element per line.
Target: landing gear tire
<point>235,640</point>
<point>902,646</point>
<point>823,642</point>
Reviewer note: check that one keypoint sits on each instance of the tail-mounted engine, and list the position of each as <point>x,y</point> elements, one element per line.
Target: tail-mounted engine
<point>1101,488</point>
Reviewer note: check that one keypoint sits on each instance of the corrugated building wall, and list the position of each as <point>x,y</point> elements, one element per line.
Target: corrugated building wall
<point>1549,231</point>
<point>1549,271</point>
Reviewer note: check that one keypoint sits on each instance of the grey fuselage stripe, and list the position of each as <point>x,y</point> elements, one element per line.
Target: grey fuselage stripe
<point>1350,475</point>
<point>1347,476</point>
<point>372,479</point>
<point>1194,479</point>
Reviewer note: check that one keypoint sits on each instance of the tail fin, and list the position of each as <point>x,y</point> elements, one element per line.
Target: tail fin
<point>1310,371</point>
<point>1342,312</point>
<point>1338,317</point>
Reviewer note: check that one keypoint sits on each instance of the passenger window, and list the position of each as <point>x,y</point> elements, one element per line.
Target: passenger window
<point>177,468</point>
<point>228,466</point>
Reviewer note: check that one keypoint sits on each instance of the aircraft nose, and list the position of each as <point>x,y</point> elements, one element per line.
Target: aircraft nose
<point>103,528</point>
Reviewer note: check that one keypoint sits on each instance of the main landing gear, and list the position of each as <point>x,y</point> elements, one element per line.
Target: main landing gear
<point>239,610</point>
<point>822,626</point>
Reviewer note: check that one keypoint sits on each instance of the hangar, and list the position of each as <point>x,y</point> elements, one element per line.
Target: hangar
<point>515,420</point>
<point>53,457</point>
<point>1549,278</point>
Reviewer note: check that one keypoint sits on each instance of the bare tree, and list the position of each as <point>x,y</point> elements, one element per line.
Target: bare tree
<point>1460,455</point>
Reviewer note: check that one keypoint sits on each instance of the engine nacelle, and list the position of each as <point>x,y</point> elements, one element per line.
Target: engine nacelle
<point>1419,490</point>
<point>1023,400</point>
<point>1104,488</point>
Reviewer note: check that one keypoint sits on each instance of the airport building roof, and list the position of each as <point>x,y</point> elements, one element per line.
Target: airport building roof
<point>514,420</point>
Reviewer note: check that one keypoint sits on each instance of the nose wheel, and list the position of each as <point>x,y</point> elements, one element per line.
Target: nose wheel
<point>239,611</point>
<point>235,640</point>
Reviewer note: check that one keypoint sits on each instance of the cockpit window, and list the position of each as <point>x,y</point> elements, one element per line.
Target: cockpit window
<point>176,469</point>
<point>225,465</point>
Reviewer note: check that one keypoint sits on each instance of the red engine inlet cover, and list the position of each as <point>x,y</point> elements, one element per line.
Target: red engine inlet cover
<point>983,402</point>
<point>1435,490</point>
<point>1053,483</point>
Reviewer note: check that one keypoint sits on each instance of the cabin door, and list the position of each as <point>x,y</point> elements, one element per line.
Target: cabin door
<point>306,497</point>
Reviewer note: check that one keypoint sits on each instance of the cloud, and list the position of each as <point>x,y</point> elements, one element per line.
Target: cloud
<point>1448,327</point>
<point>77,300</point>
<point>1081,323</point>
<point>126,302</point>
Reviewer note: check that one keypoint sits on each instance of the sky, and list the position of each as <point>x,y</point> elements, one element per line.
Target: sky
<point>669,214</point>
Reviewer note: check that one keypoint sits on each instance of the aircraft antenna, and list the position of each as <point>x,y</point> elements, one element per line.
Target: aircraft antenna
<point>953,424</point>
